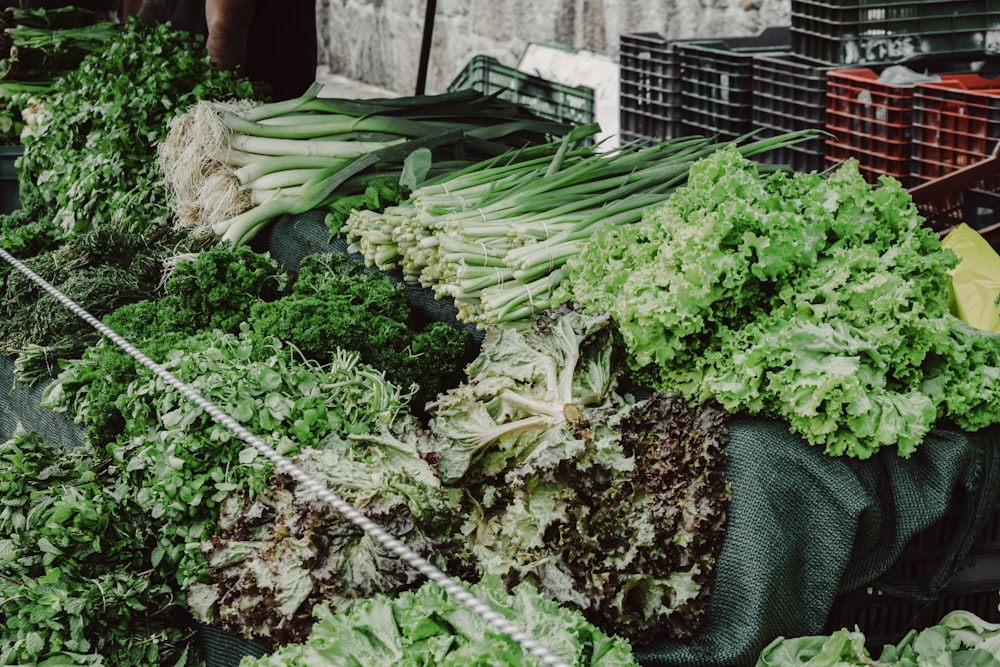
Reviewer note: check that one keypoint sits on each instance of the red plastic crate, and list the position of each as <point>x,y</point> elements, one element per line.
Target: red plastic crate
<point>956,123</point>
<point>872,121</point>
<point>969,195</point>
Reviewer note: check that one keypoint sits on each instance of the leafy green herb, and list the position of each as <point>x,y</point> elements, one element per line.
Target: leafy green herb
<point>335,303</point>
<point>75,576</point>
<point>183,464</point>
<point>23,234</point>
<point>207,291</point>
<point>100,269</point>
<point>91,159</point>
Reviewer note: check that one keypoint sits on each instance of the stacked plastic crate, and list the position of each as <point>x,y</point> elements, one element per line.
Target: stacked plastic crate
<point>956,157</point>
<point>717,81</point>
<point>678,87</point>
<point>872,116</point>
<point>956,122</point>
<point>650,88</point>
<point>822,72</point>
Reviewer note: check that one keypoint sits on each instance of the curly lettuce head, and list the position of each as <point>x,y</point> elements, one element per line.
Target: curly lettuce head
<point>816,298</point>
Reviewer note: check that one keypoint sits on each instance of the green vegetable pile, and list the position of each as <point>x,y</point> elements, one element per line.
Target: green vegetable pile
<point>94,219</point>
<point>211,292</point>
<point>612,506</point>
<point>90,160</point>
<point>427,627</point>
<point>534,469</point>
<point>959,638</point>
<point>296,347</point>
<point>76,580</point>
<point>818,299</point>
<point>37,46</point>
<point>330,305</point>
<point>183,465</point>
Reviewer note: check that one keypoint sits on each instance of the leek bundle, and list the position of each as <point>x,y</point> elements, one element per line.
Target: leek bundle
<point>232,167</point>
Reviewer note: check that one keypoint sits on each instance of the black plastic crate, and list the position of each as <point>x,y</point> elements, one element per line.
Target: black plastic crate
<point>649,88</point>
<point>717,81</point>
<point>10,199</point>
<point>865,32</point>
<point>789,95</point>
<point>886,619</point>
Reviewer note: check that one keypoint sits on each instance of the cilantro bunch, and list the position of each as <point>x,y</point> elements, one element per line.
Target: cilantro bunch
<point>210,291</point>
<point>91,157</point>
<point>182,465</point>
<point>818,299</point>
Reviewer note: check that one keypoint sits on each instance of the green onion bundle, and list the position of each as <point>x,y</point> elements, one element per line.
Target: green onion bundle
<point>38,45</point>
<point>234,166</point>
<point>493,237</point>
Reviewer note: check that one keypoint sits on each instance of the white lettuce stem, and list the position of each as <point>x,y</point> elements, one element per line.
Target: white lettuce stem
<point>533,405</point>
<point>519,426</point>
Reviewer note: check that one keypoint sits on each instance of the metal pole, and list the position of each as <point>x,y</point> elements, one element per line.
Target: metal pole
<point>425,46</point>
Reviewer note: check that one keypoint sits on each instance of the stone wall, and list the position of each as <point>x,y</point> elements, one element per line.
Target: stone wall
<point>377,42</point>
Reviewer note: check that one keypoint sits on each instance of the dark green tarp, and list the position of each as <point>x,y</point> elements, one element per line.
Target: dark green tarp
<point>19,408</point>
<point>805,527</point>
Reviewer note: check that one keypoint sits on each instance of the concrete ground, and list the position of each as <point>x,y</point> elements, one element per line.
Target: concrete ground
<point>335,85</point>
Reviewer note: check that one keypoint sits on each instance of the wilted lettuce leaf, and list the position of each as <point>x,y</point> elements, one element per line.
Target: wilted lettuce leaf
<point>428,627</point>
<point>613,506</point>
<point>959,638</point>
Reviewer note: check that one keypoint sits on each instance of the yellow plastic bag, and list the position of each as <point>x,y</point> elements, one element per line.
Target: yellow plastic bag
<point>975,282</point>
